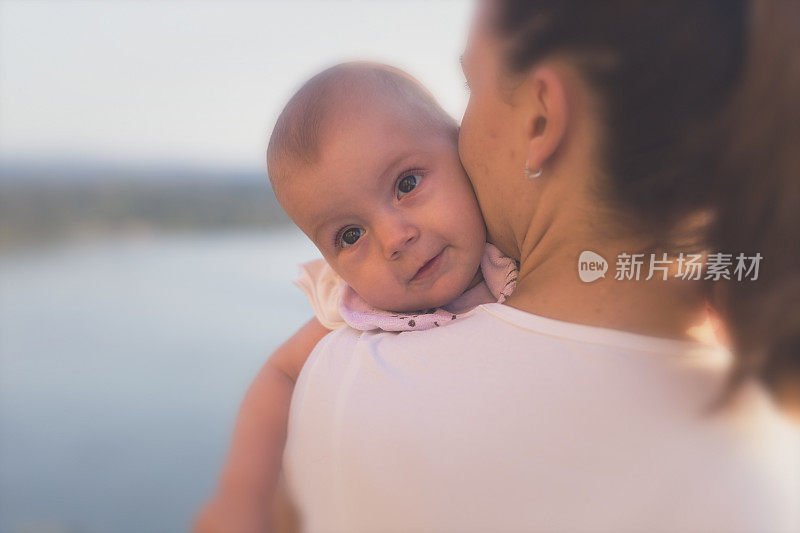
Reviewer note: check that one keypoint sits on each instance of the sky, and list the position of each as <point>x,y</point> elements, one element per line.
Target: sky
<point>197,82</point>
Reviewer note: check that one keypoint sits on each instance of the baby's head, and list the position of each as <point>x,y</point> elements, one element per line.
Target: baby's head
<point>365,162</point>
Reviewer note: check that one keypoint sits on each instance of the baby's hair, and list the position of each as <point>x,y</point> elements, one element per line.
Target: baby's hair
<point>301,126</point>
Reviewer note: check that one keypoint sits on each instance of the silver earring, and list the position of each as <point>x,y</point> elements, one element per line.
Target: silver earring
<point>530,176</point>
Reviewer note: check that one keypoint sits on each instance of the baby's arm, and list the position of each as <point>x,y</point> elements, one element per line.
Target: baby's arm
<point>250,475</point>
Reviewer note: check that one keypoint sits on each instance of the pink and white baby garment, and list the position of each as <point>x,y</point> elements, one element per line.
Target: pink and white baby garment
<point>336,304</point>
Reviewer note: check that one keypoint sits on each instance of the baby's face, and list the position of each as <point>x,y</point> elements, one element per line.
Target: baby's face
<point>391,209</point>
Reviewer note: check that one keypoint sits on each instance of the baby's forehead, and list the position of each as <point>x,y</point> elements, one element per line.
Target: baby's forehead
<point>345,117</point>
<point>372,121</point>
<point>357,165</point>
<point>364,106</point>
<point>326,102</point>
<point>359,148</point>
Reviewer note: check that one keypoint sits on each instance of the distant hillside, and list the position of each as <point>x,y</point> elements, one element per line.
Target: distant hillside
<point>86,204</point>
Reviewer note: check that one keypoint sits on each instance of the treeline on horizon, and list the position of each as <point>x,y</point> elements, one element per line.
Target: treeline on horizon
<point>39,211</point>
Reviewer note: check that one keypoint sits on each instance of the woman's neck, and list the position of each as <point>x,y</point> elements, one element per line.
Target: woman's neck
<point>549,285</point>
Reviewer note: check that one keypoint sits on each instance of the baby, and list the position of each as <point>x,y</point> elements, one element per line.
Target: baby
<point>365,162</point>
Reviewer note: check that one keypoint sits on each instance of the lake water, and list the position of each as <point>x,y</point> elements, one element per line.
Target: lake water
<point>121,369</point>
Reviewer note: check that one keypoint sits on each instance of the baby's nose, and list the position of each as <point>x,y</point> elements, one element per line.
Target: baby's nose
<point>397,239</point>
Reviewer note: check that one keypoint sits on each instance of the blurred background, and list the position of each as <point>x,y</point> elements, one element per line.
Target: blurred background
<point>145,266</point>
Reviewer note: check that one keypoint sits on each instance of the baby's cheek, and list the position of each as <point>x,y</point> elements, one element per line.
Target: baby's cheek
<point>380,293</point>
<point>467,222</point>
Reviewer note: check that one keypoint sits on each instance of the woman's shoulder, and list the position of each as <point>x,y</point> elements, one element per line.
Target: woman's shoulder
<point>511,337</point>
<point>637,414</point>
<point>350,350</point>
<point>457,331</point>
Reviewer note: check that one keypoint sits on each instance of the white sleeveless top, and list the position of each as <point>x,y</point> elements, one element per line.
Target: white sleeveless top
<point>507,421</point>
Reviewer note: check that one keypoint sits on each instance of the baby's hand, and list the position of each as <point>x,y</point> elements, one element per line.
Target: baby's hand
<point>250,497</point>
<point>229,514</point>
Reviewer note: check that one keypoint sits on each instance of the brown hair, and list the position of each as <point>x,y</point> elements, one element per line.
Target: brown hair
<point>700,115</point>
<point>758,203</point>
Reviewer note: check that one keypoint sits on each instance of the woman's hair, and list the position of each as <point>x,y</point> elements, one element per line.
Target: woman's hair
<point>700,115</point>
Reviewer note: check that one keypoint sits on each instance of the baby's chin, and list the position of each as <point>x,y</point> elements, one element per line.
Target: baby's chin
<point>423,303</point>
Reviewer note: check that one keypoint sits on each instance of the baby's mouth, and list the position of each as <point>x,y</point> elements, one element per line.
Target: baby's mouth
<point>428,268</point>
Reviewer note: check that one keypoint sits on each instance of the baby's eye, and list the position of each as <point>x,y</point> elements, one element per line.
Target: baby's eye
<point>349,237</point>
<point>407,184</point>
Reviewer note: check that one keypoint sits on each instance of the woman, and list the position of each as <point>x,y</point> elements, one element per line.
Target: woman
<point>604,127</point>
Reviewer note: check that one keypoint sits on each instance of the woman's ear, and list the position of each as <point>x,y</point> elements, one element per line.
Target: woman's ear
<point>548,115</point>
